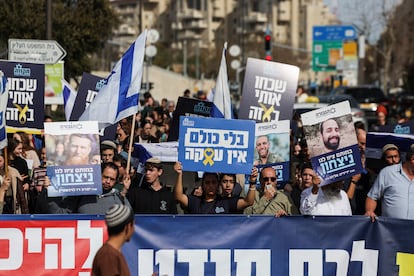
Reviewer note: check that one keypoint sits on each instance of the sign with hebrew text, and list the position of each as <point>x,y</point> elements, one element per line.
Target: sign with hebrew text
<point>269,91</point>
<point>216,145</point>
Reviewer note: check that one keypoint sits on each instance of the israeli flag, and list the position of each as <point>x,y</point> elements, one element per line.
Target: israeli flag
<point>118,98</point>
<point>3,105</point>
<point>69,96</point>
<point>221,98</point>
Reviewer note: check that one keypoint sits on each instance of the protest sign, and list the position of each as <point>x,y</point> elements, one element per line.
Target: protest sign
<point>187,107</point>
<point>273,148</point>
<point>25,108</point>
<point>216,145</point>
<point>54,73</point>
<point>400,135</point>
<point>269,91</point>
<point>72,151</point>
<point>87,91</point>
<point>332,143</point>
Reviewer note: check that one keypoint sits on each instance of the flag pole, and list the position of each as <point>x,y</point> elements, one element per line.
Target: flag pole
<point>6,162</point>
<point>131,140</point>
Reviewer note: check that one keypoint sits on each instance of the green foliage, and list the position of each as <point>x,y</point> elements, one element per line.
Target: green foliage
<point>81,27</point>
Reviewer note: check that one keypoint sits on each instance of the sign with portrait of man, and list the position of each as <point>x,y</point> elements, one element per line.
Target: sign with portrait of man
<point>272,146</point>
<point>332,142</point>
<point>73,157</point>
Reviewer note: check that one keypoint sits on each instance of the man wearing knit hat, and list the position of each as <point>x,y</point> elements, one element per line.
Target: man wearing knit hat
<point>390,154</point>
<point>120,225</point>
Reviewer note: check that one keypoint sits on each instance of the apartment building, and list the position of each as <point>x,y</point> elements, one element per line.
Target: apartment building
<point>195,25</point>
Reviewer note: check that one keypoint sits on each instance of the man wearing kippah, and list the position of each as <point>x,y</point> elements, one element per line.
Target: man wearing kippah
<point>152,197</point>
<point>394,189</point>
<point>109,260</point>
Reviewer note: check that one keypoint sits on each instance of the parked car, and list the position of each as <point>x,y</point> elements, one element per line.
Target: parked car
<point>369,98</point>
<point>358,115</point>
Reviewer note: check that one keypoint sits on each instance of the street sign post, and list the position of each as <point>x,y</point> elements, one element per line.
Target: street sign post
<point>327,45</point>
<point>35,51</point>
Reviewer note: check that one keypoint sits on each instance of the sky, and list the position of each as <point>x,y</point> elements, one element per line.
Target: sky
<point>365,15</point>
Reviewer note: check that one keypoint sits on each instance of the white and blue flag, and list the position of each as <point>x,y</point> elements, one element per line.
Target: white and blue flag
<point>69,96</point>
<point>3,105</point>
<point>118,98</point>
<point>221,99</point>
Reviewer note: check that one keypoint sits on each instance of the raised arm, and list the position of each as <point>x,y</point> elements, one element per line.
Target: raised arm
<point>249,199</point>
<point>178,188</point>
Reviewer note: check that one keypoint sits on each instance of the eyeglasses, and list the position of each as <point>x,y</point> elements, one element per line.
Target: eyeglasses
<point>272,179</point>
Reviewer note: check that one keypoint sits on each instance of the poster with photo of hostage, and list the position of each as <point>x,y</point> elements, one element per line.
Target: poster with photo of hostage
<point>272,149</point>
<point>216,145</point>
<point>73,158</point>
<point>332,143</point>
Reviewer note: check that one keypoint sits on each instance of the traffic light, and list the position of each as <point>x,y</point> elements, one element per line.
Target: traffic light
<point>268,47</point>
<point>268,43</point>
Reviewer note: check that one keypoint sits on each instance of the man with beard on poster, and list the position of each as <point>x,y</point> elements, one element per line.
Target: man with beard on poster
<point>330,134</point>
<point>329,200</point>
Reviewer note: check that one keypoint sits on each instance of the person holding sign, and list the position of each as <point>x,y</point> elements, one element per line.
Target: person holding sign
<point>329,200</point>
<point>265,156</point>
<point>88,204</point>
<point>210,202</point>
<point>330,134</point>
<point>268,200</point>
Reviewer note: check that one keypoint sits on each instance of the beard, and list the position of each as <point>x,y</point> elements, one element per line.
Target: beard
<point>332,143</point>
<point>332,192</point>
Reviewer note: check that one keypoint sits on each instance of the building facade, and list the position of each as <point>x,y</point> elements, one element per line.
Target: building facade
<point>192,26</point>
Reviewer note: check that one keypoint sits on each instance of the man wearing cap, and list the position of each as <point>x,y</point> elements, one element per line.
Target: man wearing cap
<point>394,188</point>
<point>109,260</point>
<point>152,197</point>
<point>108,150</point>
<point>390,155</point>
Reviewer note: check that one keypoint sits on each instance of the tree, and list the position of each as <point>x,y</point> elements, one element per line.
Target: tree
<point>371,18</point>
<point>81,27</point>
<point>401,67</point>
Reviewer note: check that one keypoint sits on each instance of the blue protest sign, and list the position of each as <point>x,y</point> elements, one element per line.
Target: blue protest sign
<point>216,145</point>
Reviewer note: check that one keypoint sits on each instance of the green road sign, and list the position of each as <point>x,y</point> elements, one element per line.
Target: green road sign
<point>325,54</point>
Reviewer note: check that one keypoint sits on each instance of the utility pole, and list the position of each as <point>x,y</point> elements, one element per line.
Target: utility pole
<point>49,19</point>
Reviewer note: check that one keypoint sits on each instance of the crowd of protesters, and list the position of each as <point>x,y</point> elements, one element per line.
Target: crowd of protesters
<point>24,180</point>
